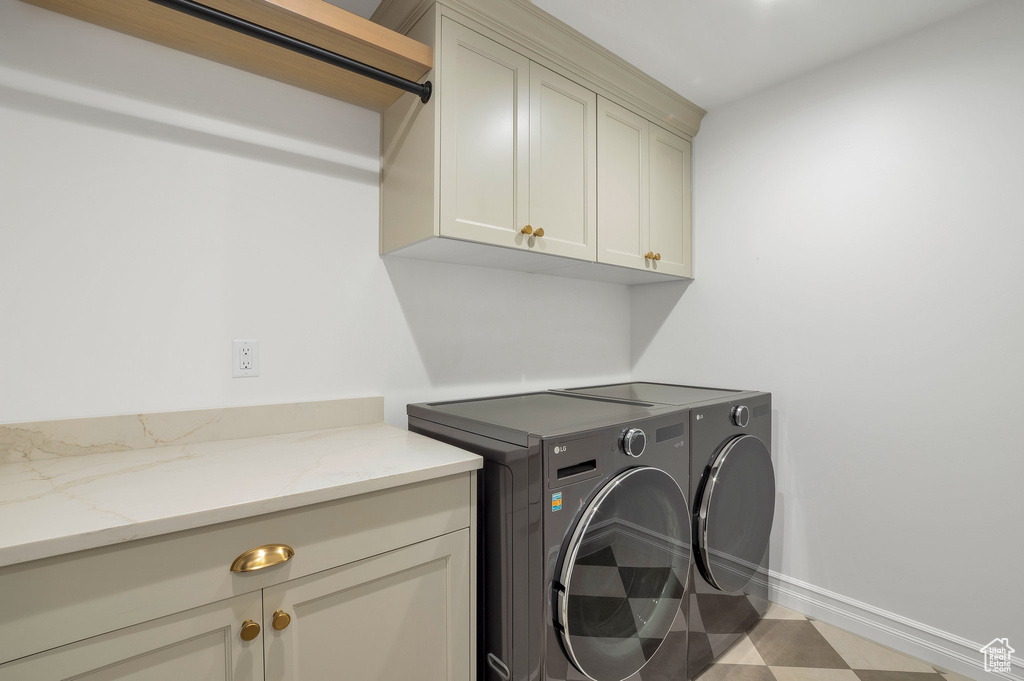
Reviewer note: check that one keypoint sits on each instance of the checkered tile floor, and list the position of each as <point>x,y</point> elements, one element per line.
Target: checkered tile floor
<point>787,646</point>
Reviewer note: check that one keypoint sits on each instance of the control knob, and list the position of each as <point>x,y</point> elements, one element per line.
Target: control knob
<point>740,416</point>
<point>633,442</point>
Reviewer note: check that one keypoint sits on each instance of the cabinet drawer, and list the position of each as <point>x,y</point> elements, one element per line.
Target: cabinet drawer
<point>56,601</point>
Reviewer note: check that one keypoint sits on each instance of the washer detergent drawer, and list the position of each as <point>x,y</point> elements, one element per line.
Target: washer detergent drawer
<point>574,461</point>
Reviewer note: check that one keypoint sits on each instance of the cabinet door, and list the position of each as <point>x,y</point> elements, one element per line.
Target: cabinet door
<point>202,644</point>
<point>671,203</point>
<point>623,218</point>
<point>399,615</point>
<point>485,105</point>
<point>563,165</point>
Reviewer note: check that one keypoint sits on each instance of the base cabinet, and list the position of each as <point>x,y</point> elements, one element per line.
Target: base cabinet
<point>203,644</point>
<point>401,615</point>
<point>377,587</point>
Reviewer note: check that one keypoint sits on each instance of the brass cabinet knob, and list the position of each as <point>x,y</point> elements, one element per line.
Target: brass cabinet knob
<point>539,232</point>
<point>649,255</point>
<point>250,630</point>
<point>527,230</point>
<point>281,620</point>
<point>263,557</point>
<point>657,256</point>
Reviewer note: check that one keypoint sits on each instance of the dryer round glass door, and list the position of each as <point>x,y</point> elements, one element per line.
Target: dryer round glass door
<point>735,509</point>
<point>624,573</point>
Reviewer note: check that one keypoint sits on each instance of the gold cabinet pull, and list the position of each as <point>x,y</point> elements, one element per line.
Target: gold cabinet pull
<point>263,557</point>
<point>250,630</point>
<point>527,230</point>
<point>649,255</point>
<point>539,232</point>
<point>657,256</point>
<point>281,620</point>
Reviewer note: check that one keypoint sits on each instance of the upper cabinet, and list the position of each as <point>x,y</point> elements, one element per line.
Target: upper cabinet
<point>485,150</point>
<point>520,161</point>
<point>623,181</point>
<point>518,152</point>
<point>644,194</point>
<point>671,203</point>
<point>563,165</point>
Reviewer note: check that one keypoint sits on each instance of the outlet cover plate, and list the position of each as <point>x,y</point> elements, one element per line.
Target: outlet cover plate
<point>245,358</point>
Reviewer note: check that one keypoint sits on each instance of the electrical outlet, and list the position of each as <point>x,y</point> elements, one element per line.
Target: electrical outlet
<point>245,358</point>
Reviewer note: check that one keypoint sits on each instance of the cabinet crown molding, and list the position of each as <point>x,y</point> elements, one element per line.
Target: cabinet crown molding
<point>564,48</point>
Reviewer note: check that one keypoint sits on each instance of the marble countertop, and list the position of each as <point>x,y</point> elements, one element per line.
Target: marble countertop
<point>54,506</point>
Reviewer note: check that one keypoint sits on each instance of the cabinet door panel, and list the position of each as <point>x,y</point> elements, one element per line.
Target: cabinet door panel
<point>399,615</point>
<point>201,644</point>
<point>671,202</point>
<point>484,138</point>
<point>563,165</point>
<point>622,186</point>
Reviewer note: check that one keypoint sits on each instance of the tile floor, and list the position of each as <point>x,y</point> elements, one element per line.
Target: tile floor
<point>787,646</point>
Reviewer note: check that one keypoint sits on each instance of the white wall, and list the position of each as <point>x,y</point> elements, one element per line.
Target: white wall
<point>154,206</point>
<point>859,234</point>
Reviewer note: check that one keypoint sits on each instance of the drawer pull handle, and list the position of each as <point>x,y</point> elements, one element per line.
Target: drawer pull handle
<point>539,232</point>
<point>649,255</point>
<point>657,256</point>
<point>250,630</point>
<point>263,557</point>
<point>528,230</point>
<point>281,620</point>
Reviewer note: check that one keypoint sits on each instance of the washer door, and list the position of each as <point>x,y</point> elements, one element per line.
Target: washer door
<point>624,573</point>
<point>736,506</point>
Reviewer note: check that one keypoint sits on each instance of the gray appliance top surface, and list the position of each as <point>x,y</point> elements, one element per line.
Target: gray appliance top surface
<point>512,418</point>
<point>657,393</point>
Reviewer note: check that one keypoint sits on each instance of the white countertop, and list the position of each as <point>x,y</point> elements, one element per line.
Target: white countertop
<point>60,505</point>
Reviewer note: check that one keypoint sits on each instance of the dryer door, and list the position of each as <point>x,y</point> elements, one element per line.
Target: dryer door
<point>735,509</point>
<point>623,575</point>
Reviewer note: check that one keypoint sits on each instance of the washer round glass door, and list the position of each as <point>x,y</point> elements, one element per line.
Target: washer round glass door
<point>734,513</point>
<point>624,573</point>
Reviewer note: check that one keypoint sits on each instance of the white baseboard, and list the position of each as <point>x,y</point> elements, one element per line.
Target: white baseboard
<point>940,648</point>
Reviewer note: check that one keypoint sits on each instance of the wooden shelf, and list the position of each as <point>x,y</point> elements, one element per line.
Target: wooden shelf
<point>313,21</point>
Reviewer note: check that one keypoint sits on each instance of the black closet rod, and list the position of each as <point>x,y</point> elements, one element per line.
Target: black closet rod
<point>215,16</point>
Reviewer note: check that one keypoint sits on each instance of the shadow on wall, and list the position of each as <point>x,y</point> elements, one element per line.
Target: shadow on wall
<point>113,121</point>
<point>49,45</point>
<point>652,304</point>
<point>63,68</point>
<point>475,326</point>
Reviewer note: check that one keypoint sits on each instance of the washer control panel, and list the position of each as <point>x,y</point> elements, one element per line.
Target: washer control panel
<point>633,442</point>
